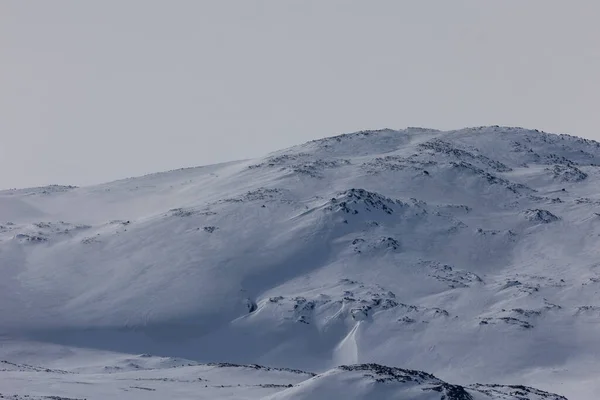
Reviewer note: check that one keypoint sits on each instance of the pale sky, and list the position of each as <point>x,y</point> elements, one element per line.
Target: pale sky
<point>92,91</point>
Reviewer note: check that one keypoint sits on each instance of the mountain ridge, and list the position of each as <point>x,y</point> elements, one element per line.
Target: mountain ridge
<point>439,249</point>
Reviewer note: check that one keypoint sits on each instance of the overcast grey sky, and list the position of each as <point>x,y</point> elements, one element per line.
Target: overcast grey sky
<point>92,91</point>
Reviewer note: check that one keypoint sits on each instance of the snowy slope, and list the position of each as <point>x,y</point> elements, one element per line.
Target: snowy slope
<point>468,254</point>
<point>146,377</point>
<point>372,381</point>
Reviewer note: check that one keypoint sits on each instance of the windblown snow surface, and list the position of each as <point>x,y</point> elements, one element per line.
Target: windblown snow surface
<point>365,259</point>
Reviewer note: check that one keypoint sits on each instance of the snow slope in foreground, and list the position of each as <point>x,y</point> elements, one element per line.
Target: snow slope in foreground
<point>469,254</point>
<point>147,377</point>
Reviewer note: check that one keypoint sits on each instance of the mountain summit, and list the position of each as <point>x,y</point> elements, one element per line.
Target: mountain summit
<point>469,254</point>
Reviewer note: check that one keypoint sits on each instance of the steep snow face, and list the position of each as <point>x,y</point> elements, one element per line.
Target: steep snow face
<point>470,254</point>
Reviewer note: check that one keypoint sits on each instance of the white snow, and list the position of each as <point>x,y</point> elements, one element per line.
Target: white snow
<point>471,255</point>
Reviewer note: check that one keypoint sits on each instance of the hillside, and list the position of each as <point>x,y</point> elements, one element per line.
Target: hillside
<point>470,254</point>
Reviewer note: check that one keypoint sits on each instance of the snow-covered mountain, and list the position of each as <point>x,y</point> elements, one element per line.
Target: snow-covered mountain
<point>469,254</point>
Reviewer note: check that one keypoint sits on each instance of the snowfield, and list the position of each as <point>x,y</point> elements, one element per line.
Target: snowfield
<point>365,258</point>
